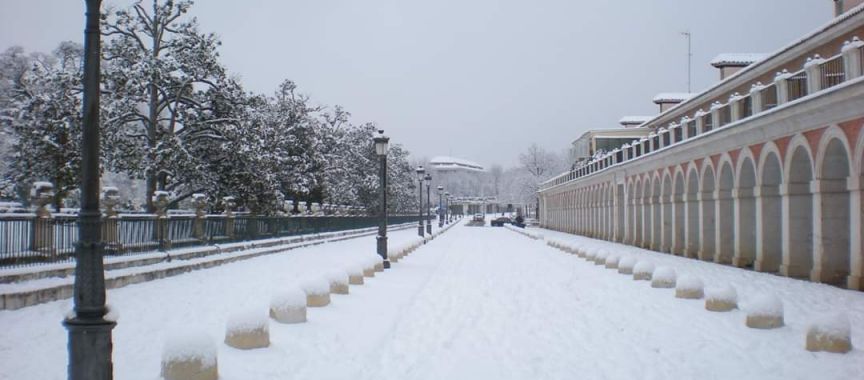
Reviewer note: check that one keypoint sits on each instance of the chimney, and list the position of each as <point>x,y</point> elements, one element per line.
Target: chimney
<point>842,6</point>
<point>729,64</point>
<point>667,100</point>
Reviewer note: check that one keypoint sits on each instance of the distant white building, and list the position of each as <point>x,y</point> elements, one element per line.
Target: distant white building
<point>445,164</point>
<point>460,177</point>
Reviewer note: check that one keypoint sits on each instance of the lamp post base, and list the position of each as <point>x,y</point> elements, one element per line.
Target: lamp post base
<point>429,228</point>
<point>420,231</point>
<point>90,348</point>
<point>382,250</point>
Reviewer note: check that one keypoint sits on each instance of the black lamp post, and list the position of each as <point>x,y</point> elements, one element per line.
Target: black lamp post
<point>381,147</point>
<point>447,206</point>
<point>428,205</point>
<point>440,209</point>
<point>420,171</point>
<point>89,332</point>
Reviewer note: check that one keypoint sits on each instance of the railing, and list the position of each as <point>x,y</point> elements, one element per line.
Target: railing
<point>28,240</point>
<point>769,97</point>
<point>832,72</point>
<point>796,85</point>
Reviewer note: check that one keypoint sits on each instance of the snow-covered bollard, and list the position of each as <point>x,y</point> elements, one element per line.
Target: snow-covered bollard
<point>643,270</point>
<point>600,257</point>
<point>379,262</point>
<point>721,299</point>
<point>189,356</point>
<point>368,266</point>
<point>339,281</point>
<point>830,333</point>
<point>626,264</point>
<point>355,275</point>
<point>288,306</point>
<point>317,292</point>
<point>590,253</point>
<point>766,312</point>
<point>689,287</point>
<point>612,261</point>
<point>247,330</point>
<point>663,277</point>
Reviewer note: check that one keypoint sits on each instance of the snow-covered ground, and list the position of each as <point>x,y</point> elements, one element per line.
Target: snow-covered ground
<point>476,303</point>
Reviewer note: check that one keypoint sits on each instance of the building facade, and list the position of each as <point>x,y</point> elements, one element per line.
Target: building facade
<point>764,170</point>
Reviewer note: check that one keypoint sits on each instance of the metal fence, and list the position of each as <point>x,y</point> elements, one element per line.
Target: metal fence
<point>797,85</point>
<point>832,72</point>
<point>28,240</point>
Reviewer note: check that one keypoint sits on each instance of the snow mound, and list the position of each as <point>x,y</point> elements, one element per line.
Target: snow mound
<point>643,270</point>
<point>689,287</point>
<point>355,274</point>
<point>247,330</point>
<point>626,264</point>
<point>830,333</point>
<point>288,306</point>
<point>663,277</point>
<point>722,298</point>
<point>339,281</point>
<point>765,312</point>
<point>612,261</point>
<point>189,355</point>
<point>590,253</point>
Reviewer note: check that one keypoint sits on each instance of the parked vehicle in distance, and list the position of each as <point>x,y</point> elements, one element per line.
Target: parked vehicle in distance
<point>500,222</point>
<point>478,218</point>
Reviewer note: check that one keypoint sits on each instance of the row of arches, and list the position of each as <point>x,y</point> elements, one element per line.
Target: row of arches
<point>791,206</point>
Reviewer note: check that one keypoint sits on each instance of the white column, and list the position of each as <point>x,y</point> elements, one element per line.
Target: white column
<point>856,259</point>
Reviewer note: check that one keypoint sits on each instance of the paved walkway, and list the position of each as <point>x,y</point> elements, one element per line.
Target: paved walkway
<point>475,303</point>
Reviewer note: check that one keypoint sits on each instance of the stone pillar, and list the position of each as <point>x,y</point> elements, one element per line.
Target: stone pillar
<point>685,129</point>
<point>229,204</point>
<point>200,202</point>
<point>714,111</point>
<point>813,70</point>
<point>824,270</point>
<point>756,97</point>
<point>42,231</point>
<point>160,201</point>
<point>856,259</point>
<point>110,230</point>
<point>700,122</point>
<point>735,107</point>
<point>782,86</point>
<point>852,58</point>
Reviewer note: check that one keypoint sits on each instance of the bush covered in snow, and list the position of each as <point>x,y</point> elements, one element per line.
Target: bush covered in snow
<point>722,298</point>
<point>189,355</point>
<point>830,333</point>
<point>689,287</point>
<point>643,270</point>
<point>663,277</point>
<point>765,312</point>
<point>288,306</point>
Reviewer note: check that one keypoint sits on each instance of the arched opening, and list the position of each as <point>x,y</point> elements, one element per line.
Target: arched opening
<point>725,208</point>
<point>692,224</point>
<point>656,217</point>
<point>835,218</point>
<point>708,225</point>
<point>678,215</point>
<point>798,260</point>
<point>745,209</point>
<point>666,202</point>
<point>769,249</point>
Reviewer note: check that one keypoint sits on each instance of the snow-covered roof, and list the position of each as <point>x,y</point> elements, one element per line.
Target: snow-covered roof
<point>442,162</point>
<point>631,120</point>
<point>737,59</point>
<point>672,97</point>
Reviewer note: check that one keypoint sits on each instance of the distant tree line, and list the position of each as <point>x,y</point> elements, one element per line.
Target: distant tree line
<point>172,117</point>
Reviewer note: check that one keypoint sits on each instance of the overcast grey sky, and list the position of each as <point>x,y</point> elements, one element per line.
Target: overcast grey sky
<point>478,79</point>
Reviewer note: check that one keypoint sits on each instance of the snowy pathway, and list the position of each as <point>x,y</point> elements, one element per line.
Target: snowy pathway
<point>475,303</point>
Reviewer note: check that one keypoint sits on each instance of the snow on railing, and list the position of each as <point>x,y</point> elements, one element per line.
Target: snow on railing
<point>816,75</point>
